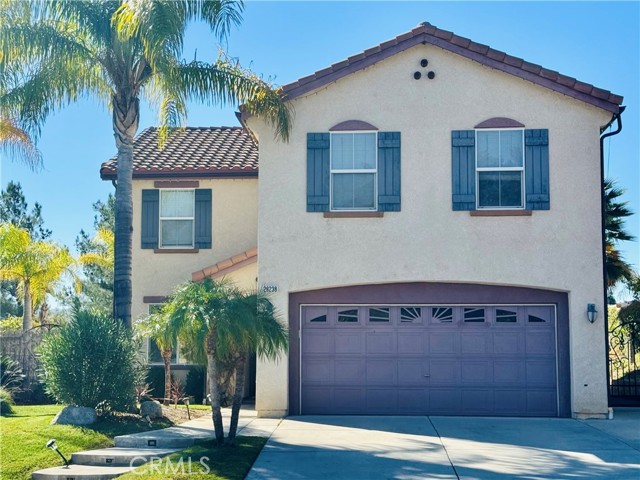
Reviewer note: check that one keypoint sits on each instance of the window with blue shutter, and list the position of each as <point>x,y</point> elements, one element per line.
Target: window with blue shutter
<point>353,171</point>
<point>500,169</point>
<point>176,218</point>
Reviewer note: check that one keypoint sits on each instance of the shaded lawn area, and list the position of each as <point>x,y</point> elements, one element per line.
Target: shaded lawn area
<point>206,461</point>
<point>24,434</point>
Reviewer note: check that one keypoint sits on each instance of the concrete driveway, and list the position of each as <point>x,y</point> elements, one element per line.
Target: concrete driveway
<point>351,448</point>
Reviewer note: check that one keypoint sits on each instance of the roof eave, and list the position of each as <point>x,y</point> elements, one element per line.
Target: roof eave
<point>452,43</point>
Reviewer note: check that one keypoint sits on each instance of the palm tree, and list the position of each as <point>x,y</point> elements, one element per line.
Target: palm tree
<point>616,212</point>
<point>57,52</point>
<point>36,265</point>
<point>230,323</point>
<point>158,328</point>
<point>17,142</point>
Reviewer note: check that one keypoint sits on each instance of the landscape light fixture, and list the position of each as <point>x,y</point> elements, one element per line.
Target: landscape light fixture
<point>52,445</point>
<point>592,313</point>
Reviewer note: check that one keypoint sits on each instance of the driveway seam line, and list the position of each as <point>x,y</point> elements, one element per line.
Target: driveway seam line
<point>609,435</point>
<point>455,472</point>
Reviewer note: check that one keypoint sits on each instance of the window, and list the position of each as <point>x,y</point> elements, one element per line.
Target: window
<point>177,219</point>
<point>473,315</point>
<point>504,167</point>
<point>379,314</point>
<point>348,316</point>
<point>500,168</point>
<point>353,171</point>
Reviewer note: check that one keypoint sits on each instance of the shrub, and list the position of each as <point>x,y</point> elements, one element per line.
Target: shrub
<point>91,360</point>
<point>11,376</point>
<point>6,402</point>
<point>11,324</point>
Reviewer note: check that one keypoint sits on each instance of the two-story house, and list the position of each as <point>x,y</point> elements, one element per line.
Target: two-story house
<point>433,229</point>
<point>431,233</point>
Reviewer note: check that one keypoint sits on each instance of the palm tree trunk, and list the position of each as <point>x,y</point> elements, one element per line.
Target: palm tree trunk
<point>166,357</point>
<point>212,374</point>
<point>27,313</point>
<point>126,113</point>
<point>238,395</point>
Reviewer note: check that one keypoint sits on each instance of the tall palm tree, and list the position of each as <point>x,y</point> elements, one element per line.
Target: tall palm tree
<point>36,265</point>
<point>616,211</point>
<point>230,323</point>
<point>57,52</point>
<point>158,328</point>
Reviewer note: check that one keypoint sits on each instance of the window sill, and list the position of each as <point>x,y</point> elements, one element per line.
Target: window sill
<point>176,250</point>
<point>353,214</point>
<point>500,213</point>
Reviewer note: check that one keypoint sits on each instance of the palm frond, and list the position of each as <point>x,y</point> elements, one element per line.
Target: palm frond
<point>227,83</point>
<point>17,143</point>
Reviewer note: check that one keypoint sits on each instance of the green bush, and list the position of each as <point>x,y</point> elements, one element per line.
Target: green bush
<point>11,376</point>
<point>6,402</point>
<point>91,360</point>
<point>11,324</point>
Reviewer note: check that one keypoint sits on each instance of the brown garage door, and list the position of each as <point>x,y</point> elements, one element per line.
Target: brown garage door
<point>429,359</point>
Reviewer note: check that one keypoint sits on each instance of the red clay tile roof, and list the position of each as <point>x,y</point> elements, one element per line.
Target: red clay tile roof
<point>227,266</point>
<point>483,54</point>
<point>196,152</point>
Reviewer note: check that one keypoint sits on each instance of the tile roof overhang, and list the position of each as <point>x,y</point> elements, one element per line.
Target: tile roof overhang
<point>227,266</point>
<point>195,152</point>
<point>426,33</point>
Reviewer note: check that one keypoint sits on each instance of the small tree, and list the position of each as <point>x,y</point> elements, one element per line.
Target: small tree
<point>230,323</point>
<point>36,265</point>
<point>90,360</point>
<point>158,328</point>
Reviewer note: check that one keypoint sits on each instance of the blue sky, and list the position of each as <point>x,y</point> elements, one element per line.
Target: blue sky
<point>596,42</point>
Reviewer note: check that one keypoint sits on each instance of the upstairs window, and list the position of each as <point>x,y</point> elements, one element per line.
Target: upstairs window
<point>500,168</point>
<point>353,171</point>
<point>177,209</point>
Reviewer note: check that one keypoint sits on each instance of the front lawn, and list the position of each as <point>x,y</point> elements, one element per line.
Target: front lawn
<point>205,461</point>
<point>24,434</point>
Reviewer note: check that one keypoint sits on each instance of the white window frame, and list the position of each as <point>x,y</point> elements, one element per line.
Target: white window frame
<point>192,218</point>
<point>500,169</point>
<point>353,171</point>
<point>179,360</point>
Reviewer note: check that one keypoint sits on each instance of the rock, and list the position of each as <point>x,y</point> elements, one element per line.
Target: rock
<point>153,409</point>
<point>72,415</point>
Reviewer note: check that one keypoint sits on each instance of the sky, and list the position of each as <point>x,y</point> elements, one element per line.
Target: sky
<point>595,42</point>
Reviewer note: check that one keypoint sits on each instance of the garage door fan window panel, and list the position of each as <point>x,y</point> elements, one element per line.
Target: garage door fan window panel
<point>348,316</point>
<point>353,171</point>
<point>500,167</point>
<point>442,314</point>
<point>177,209</point>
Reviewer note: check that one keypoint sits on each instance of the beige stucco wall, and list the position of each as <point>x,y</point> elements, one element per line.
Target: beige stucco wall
<point>234,230</point>
<point>557,249</point>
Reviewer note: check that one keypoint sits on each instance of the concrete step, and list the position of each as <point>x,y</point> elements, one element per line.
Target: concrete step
<point>77,472</point>
<point>168,438</point>
<point>118,457</point>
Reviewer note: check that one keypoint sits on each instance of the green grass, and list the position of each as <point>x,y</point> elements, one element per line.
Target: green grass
<point>224,463</point>
<point>24,434</point>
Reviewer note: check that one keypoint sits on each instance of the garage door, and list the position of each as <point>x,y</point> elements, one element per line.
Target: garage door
<point>429,359</point>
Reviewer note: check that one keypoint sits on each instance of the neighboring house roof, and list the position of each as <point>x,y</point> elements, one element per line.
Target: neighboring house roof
<point>194,152</point>
<point>425,33</point>
<point>227,266</point>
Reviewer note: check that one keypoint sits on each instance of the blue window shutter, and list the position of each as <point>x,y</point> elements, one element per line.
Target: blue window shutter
<point>463,169</point>
<point>536,166</point>
<point>150,218</point>
<point>203,218</point>
<point>389,171</point>
<point>318,172</point>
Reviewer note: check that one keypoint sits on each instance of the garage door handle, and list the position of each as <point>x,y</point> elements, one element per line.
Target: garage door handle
<point>426,376</point>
